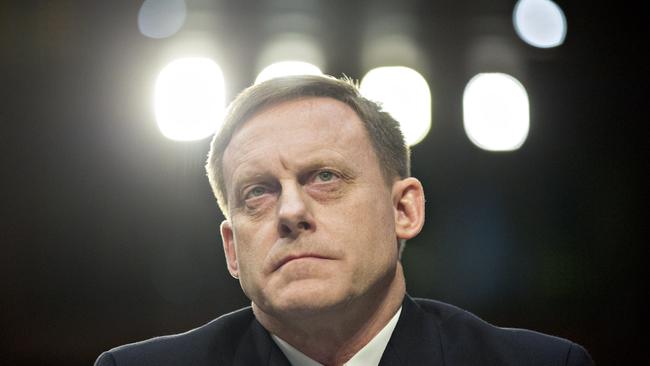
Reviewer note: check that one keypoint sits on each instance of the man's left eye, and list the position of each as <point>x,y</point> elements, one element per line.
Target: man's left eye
<point>325,176</point>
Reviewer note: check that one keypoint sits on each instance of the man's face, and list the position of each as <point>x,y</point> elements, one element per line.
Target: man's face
<point>312,220</point>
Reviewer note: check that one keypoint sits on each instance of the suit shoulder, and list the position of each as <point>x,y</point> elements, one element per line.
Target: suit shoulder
<point>214,340</point>
<point>469,339</point>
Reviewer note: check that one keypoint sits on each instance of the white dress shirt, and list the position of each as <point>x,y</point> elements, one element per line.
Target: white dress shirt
<point>369,355</point>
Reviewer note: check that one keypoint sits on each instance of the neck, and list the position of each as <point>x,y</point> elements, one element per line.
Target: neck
<point>332,338</point>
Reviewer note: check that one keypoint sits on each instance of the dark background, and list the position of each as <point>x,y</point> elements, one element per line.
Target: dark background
<point>109,231</point>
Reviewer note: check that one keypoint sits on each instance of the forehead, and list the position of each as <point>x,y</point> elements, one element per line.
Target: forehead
<point>320,113</point>
<point>311,121</point>
<point>299,129</point>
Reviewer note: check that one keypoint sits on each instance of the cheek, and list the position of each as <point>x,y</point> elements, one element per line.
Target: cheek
<point>381,238</point>
<point>376,214</point>
<point>369,227</point>
<point>252,244</point>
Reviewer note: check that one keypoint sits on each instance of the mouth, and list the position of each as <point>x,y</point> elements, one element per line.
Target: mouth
<point>290,258</point>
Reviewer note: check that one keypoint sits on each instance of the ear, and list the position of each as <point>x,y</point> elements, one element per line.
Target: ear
<point>229,248</point>
<point>408,204</point>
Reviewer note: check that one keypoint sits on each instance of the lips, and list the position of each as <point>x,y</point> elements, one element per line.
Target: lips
<point>290,258</point>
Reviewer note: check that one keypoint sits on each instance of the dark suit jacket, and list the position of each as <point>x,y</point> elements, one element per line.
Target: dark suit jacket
<point>428,333</point>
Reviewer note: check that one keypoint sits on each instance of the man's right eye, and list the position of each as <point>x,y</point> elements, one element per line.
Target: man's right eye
<point>255,192</point>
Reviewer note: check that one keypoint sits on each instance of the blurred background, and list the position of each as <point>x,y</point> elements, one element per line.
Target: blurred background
<point>109,230</point>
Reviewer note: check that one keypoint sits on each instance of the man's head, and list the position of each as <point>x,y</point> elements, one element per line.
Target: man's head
<point>384,132</point>
<point>315,203</point>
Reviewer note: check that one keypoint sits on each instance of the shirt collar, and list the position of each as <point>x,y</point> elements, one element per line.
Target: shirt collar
<point>369,355</point>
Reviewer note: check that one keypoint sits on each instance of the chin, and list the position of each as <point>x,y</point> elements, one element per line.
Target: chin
<point>306,300</point>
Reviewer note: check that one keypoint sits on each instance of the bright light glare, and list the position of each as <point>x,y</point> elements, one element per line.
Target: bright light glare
<point>495,112</point>
<point>189,99</point>
<point>287,68</point>
<point>161,18</point>
<point>405,95</point>
<point>540,23</point>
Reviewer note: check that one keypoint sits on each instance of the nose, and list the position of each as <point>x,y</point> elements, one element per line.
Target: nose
<point>294,215</point>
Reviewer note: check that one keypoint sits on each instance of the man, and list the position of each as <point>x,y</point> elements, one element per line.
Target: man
<point>314,183</point>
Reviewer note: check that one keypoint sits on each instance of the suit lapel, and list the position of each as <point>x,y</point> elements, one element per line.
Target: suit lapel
<point>257,348</point>
<point>415,340</point>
